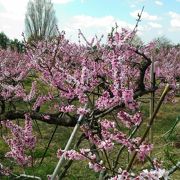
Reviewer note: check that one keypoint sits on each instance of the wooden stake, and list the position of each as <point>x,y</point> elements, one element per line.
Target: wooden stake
<point>61,161</point>
<point>152,98</point>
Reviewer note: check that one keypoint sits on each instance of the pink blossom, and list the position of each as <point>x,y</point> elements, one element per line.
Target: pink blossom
<point>31,93</point>
<point>155,174</point>
<point>41,100</point>
<point>71,154</point>
<point>107,124</point>
<point>105,145</point>
<point>22,139</point>
<point>68,108</point>
<point>129,120</point>
<point>82,111</point>
<point>144,150</point>
<point>106,101</point>
<point>97,167</point>
<point>46,117</point>
<point>4,171</point>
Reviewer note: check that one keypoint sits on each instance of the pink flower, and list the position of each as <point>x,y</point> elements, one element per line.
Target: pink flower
<point>71,155</point>
<point>46,117</point>
<point>22,140</point>
<point>97,167</point>
<point>105,124</point>
<point>32,93</point>
<point>127,96</point>
<point>41,100</point>
<point>68,108</point>
<point>154,174</point>
<point>144,150</point>
<point>82,111</point>
<point>129,120</point>
<point>123,176</point>
<point>106,144</point>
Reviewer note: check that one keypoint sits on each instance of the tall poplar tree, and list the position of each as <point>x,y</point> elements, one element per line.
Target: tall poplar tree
<point>40,20</point>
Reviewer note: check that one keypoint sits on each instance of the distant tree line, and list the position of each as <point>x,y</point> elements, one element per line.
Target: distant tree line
<point>14,45</point>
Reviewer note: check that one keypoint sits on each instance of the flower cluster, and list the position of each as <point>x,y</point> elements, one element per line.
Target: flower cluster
<point>32,93</point>
<point>82,111</point>
<point>107,101</point>
<point>4,170</point>
<point>143,150</point>
<point>83,154</point>
<point>41,100</point>
<point>108,135</point>
<point>68,108</point>
<point>154,174</point>
<point>21,140</point>
<point>130,120</point>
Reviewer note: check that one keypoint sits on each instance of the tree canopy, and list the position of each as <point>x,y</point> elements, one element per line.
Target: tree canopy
<point>40,20</point>
<point>3,40</point>
<point>15,44</point>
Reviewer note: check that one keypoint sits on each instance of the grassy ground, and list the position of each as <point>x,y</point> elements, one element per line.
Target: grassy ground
<point>167,145</point>
<point>166,149</point>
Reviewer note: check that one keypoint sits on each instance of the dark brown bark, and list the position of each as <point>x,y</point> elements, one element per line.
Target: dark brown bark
<point>54,118</point>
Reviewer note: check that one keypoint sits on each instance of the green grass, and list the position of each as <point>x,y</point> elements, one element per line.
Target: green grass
<point>165,148</point>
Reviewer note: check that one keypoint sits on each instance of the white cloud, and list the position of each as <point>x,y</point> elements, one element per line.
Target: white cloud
<point>12,17</point>
<point>160,33</point>
<point>145,15</point>
<point>175,20</point>
<point>15,6</point>
<point>155,25</point>
<point>132,5</point>
<point>140,1</point>
<point>178,0</point>
<point>83,21</point>
<point>61,1</point>
<point>83,1</point>
<point>91,26</point>
<point>160,3</point>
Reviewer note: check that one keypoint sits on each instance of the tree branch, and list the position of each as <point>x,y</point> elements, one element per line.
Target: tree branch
<point>53,118</point>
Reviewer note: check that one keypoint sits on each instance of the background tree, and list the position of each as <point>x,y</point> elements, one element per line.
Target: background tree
<point>137,41</point>
<point>14,45</point>
<point>163,42</point>
<point>40,20</point>
<point>4,40</point>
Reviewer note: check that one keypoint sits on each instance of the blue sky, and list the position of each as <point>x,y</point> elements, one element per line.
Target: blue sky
<point>160,17</point>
